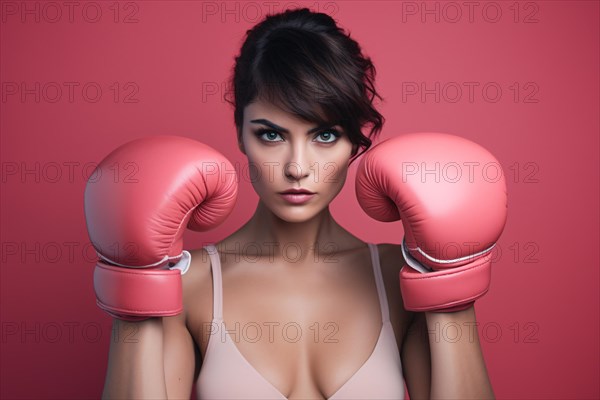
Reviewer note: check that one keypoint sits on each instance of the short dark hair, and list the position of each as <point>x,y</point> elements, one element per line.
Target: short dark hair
<point>303,62</point>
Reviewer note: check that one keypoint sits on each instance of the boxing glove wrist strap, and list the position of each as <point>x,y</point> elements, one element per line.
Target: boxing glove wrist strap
<point>164,261</point>
<point>140,292</point>
<point>411,261</point>
<point>416,265</point>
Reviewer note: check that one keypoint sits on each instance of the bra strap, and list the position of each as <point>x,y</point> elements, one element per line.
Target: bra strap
<point>215,264</point>
<point>385,313</point>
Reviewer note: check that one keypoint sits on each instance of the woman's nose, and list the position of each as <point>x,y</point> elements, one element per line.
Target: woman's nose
<point>298,166</point>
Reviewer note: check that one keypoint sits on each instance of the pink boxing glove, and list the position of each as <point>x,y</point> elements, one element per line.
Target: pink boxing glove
<point>450,194</point>
<point>138,203</point>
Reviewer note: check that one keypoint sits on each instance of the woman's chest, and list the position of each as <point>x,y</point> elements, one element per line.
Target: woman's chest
<point>298,329</point>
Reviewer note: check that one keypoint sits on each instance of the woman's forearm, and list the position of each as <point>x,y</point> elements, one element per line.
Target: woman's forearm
<point>457,365</point>
<point>135,366</point>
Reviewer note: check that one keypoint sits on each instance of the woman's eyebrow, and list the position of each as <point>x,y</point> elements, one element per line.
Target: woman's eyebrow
<point>284,130</point>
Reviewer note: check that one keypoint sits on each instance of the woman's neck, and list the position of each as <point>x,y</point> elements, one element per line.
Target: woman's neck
<point>294,240</point>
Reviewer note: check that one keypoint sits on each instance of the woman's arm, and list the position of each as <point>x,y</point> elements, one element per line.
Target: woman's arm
<point>151,359</point>
<point>442,359</point>
<point>416,359</point>
<point>458,368</point>
<point>135,361</point>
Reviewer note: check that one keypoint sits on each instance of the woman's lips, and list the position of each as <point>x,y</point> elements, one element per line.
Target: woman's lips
<point>297,198</point>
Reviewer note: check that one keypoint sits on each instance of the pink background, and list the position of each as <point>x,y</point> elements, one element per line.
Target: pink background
<point>161,67</point>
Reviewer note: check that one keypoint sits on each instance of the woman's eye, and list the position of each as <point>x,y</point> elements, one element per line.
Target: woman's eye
<point>329,136</point>
<point>268,136</point>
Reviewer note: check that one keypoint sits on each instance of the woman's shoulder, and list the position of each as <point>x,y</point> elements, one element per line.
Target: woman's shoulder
<point>200,267</point>
<point>199,273</point>
<point>391,254</point>
<point>197,282</point>
<point>392,261</point>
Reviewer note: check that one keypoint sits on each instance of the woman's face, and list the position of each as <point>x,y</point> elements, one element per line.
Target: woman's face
<point>285,152</point>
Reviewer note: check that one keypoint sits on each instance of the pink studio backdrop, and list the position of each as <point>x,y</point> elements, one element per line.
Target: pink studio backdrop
<point>520,78</point>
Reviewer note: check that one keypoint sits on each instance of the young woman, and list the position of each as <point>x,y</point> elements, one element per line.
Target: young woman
<point>292,305</point>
